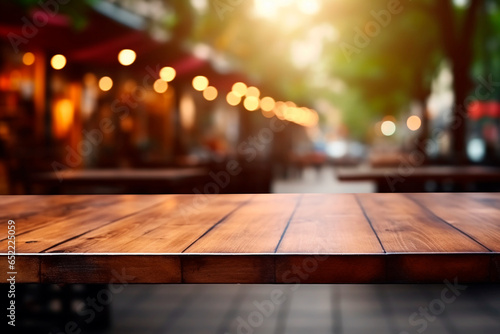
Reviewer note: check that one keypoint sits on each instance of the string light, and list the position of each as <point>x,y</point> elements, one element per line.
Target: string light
<point>253,91</point>
<point>239,89</point>
<point>413,123</point>
<point>105,83</point>
<point>233,99</point>
<point>388,128</point>
<point>200,83</point>
<point>58,62</point>
<point>28,58</point>
<point>167,73</point>
<point>210,93</point>
<point>251,103</point>
<point>160,86</point>
<point>126,57</point>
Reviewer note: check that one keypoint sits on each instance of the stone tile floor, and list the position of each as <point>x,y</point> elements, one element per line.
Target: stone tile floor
<point>348,309</point>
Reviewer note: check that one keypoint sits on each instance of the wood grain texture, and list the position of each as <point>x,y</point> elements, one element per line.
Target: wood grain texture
<point>62,230</point>
<point>322,269</point>
<point>243,269</point>
<point>122,269</point>
<point>169,227</point>
<point>257,227</point>
<point>345,238</point>
<point>27,268</point>
<point>479,221</point>
<point>435,268</point>
<point>329,224</point>
<point>42,213</point>
<point>403,226</point>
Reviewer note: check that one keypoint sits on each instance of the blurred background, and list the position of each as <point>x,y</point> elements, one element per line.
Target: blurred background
<point>201,96</point>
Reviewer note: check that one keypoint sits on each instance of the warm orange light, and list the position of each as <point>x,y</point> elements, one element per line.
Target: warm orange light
<point>309,117</point>
<point>413,123</point>
<point>233,99</point>
<point>160,86</point>
<point>289,113</point>
<point>89,79</point>
<point>63,117</point>
<point>279,109</point>
<point>58,62</point>
<point>267,103</point>
<point>267,114</point>
<point>105,83</point>
<point>389,118</point>
<point>167,73</point>
<point>126,57</point>
<point>210,93</point>
<point>239,89</point>
<point>200,83</point>
<point>251,103</point>
<point>28,58</point>
<point>253,91</point>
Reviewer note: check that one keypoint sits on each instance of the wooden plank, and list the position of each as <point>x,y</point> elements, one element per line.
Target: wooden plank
<point>435,268</point>
<point>6,200</point>
<point>490,199</point>
<point>330,269</point>
<point>48,236</point>
<point>166,228</point>
<point>480,222</point>
<point>53,210</point>
<point>26,267</point>
<point>110,269</point>
<point>329,224</point>
<point>243,269</point>
<point>257,227</point>
<point>31,205</point>
<point>404,226</point>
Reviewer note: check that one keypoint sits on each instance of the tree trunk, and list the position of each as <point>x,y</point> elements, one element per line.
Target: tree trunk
<point>458,44</point>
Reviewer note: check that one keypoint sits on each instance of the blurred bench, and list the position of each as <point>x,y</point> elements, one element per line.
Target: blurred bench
<point>425,178</point>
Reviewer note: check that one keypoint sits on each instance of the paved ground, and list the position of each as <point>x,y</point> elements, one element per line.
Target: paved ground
<point>322,181</point>
<point>349,309</point>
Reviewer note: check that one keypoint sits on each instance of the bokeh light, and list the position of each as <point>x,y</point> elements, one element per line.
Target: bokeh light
<point>388,128</point>
<point>28,58</point>
<point>239,89</point>
<point>413,123</point>
<point>200,83</point>
<point>105,83</point>
<point>58,62</point>
<point>233,99</point>
<point>126,57</point>
<point>251,103</point>
<point>167,73</point>
<point>267,103</point>
<point>160,86</point>
<point>210,93</point>
<point>253,91</point>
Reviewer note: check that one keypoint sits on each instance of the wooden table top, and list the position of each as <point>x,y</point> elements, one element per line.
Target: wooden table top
<point>367,173</point>
<point>264,238</point>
